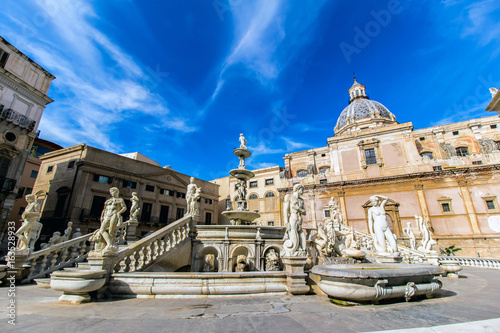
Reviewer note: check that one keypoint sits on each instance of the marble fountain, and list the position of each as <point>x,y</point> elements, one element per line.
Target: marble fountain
<point>184,259</point>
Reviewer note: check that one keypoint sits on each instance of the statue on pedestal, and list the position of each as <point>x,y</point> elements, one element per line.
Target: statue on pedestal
<point>67,232</point>
<point>30,216</point>
<point>294,244</point>
<point>427,240</point>
<point>411,235</point>
<point>241,186</point>
<point>134,208</point>
<point>111,218</point>
<point>335,213</point>
<point>325,239</point>
<point>379,226</point>
<point>192,195</point>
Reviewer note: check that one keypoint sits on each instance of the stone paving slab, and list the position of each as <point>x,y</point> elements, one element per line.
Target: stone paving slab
<point>472,302</point>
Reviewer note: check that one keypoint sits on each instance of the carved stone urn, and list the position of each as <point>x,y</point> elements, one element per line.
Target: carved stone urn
<point>77,284</point>
<point>452,267</point>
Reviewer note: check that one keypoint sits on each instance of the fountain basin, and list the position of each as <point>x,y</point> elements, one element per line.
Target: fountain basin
<point>240,217</point>
<point>76,284</point>
<point>241,152</point>
<point>242,174</point>
<point>452,267</point>
<point>373,282</point>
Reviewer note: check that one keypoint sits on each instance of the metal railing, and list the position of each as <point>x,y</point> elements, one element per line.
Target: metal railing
<point>17,119</point>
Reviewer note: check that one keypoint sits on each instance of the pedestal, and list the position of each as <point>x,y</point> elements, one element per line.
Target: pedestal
<point>15,262</point>
<point>77,284</point>
<point>295,276</point>
<point>389,258</point>
<point>432,258</point>
<point>131,230</point>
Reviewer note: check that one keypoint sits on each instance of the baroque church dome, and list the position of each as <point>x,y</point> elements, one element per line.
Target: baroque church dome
<point>362,113</point>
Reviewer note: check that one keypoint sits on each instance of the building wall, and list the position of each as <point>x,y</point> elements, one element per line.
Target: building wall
<point>58,174</point>
<point>23,97</point>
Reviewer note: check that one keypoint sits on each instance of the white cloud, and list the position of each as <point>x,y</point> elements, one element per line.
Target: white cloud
<point>483,21</point>
<point>262,149</point>
<point>294,146</point>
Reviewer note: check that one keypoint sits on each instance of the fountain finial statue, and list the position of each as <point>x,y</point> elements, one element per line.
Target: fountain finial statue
<point>295,240</point>
<point>379,226</point>
<point>243,142</point>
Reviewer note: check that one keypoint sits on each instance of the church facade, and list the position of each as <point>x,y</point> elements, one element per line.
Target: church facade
<point>449,175</point>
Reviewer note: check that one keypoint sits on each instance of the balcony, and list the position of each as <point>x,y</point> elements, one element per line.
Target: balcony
<point>16,118</point>
<point>7,185</point>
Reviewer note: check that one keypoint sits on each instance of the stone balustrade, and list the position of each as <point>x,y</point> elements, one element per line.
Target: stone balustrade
<point>493,263</point>
<point>56,257</point>
<point>142,253</point>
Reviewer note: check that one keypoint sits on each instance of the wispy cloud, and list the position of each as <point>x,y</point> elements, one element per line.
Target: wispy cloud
<point>262,149</point>
<point>483,22</point>
<point>102,83</point>
<point>294,146</point>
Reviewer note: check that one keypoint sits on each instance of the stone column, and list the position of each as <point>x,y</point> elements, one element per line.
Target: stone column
<point>342,204</point>
<point>422,202</point>
<point>295,276</point>
<point>469,206</point>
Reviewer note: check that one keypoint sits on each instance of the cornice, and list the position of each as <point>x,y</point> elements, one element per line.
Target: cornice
<point>18,85</point>
<point>422,176</point>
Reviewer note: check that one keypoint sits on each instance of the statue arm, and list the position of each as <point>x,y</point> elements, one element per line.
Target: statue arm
<point>384,200</point>
<point>124,206</point>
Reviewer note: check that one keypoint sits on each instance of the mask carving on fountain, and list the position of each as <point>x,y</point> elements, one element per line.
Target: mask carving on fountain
<point>272,260</point>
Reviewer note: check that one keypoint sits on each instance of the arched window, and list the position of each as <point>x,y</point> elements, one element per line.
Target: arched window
<point>302,173</point>
<point>462,151</point>
<point>324,169</point>
<point>253,196</point>
<point>269,195</point>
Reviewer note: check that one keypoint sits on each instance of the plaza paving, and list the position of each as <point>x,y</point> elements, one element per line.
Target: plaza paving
<point>469,304</point>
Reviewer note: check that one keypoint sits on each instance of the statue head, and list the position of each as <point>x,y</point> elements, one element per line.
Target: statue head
<point>298,188</point>
<point>374,200</point>
<point>70,224</point>
<point>241,134</point>
<point>134,194</point>
<point>114,191</point>
<point>191,180</point>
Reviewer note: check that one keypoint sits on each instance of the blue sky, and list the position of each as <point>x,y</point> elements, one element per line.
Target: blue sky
<point>179,80</point>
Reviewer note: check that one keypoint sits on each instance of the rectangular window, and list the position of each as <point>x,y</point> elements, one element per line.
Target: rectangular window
<point>422,138</point>
<point>446,207</point>
<point>493,126</point>
<point>208,218</point>
<point>455,133</point>
<point>71,164</point>
<point>146,212</point>
<point>253,184</point>
<point>20,193</point>
<point>370,156</point>
<point>103,179</point>
<point>150,188</point>
<point>4,56</point>
<point>462,151</point>
<point>128,184</point>
<point>180,213</point>
<point>270,223</point>
<point>323,181</point>
<point>323,155</point>
<point>208,201</point>
<point>490,204</point>
<point>34,173</point>
<point>97,206</point>
<point>437,168</point>
<point>327,213</point>
<point>50,168</point>
<point>477,162</point>
<point>270,181</point>
<point>181,195</point>
<point>167,192</point>
<point>164,214</point>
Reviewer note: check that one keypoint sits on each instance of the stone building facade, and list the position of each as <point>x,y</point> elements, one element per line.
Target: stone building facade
<point>73,184</point>
<point>448,174</point>
<point>23,96</point>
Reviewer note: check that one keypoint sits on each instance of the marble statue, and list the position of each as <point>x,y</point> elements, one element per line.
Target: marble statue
<point>325,239</point>
<point>493,91</point>
<point>411,236</point>
<point>54,240</point>
<point>192,195</point>
<point>111,218</point>
<point>35,234</point>
<point>134,208</point>
<point>241,263</point>
<point>209,263</point>
<point>77,233</point>
<point>379,226</point>
<point>243,142</point>
<point>294,244</point>
<point>67,232</point>
<point>427,240</point>
<point>30,216</point>
<point>272,261</point>
<point>241,186</point>
<point>335,213</point>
